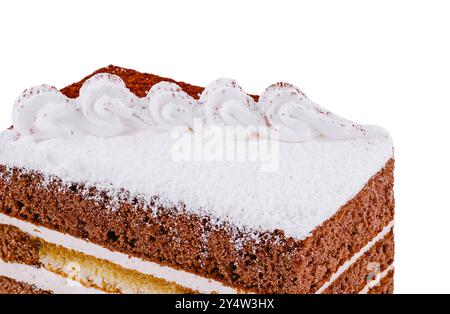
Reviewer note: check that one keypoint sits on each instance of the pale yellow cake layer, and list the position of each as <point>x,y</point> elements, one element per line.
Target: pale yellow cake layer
<point>101,274</point>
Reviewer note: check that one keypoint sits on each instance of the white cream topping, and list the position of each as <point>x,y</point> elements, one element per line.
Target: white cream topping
<point>284,107</point>
<point>167,105</point>
<point>226,103</point>
<point>106,108</point>
<point>44,279</point>
<point>298,119</point>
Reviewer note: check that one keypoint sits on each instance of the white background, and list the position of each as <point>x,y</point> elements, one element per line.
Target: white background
<point>381,62</point>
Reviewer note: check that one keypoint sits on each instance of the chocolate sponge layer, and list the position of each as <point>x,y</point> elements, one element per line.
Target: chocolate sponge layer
<point>274,264</point>
<point>354,279</point>
<point>17,247</point>
<point>11,286</point>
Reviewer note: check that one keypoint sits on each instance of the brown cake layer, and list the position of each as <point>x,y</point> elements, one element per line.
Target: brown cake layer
<point>173,237</point>
<point>11,286</point>
<point>17,246</point>
<point>354,279</point>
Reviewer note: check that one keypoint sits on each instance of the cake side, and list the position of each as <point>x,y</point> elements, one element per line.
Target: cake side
<point>379,258</point>
<point>71,268</point>
<point>177,240</point>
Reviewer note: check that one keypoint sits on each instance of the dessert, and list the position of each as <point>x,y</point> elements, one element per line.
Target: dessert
<point>121,183</point>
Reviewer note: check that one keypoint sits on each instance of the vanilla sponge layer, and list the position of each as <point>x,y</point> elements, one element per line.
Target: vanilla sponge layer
<point>93,272</point>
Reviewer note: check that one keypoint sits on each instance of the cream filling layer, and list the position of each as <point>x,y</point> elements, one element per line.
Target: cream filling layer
<point>377,280</point>
<point>180,277</point>
<point>44,279</point>
<point>355,257</point>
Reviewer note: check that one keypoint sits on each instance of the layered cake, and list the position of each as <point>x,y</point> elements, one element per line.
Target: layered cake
<point>127,182</point>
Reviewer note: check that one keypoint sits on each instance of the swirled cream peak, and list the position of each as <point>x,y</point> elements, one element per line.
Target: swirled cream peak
<point>168,105</point>
<point>226,104</point>
<point>298,119</point>
<point>107,108</point>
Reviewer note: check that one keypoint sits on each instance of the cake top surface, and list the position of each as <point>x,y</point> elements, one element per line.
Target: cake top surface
<point>290,167</point>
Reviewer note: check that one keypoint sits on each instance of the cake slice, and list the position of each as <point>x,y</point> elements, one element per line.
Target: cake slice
<point>122,183</point>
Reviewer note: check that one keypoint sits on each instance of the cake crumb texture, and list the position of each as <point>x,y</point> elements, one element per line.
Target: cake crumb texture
<point>11,286</point>
<point>17,247</point>
<point>354,279</point>
<point>139,83</point>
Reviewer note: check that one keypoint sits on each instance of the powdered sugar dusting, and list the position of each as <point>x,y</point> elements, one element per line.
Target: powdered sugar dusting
<point>313,181</point>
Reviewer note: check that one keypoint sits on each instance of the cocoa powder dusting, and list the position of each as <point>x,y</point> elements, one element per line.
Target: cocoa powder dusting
<point>138,83</point>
